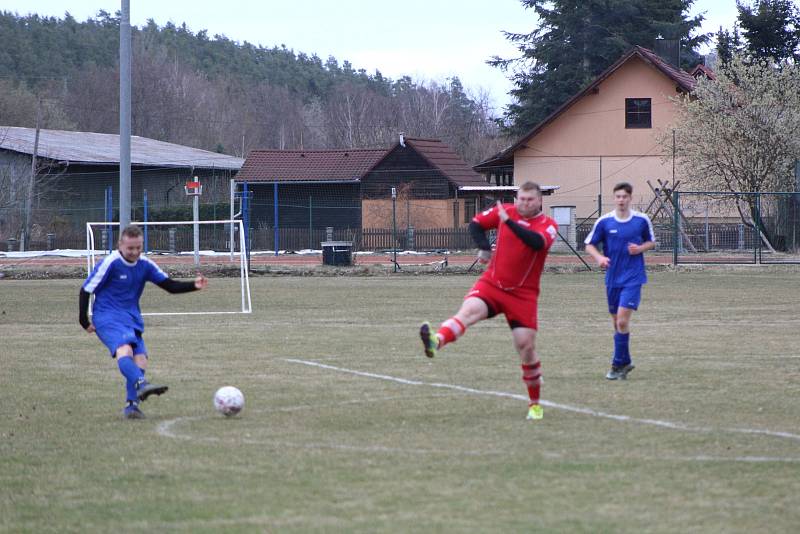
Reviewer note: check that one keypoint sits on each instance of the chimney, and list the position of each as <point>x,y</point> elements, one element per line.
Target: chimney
<point>669,50</point>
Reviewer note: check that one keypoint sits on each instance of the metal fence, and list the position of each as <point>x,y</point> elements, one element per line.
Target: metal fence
<point>745,228</point>
<point>699,227</point>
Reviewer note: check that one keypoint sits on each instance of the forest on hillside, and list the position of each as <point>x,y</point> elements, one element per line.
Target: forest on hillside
<point>217,94</point>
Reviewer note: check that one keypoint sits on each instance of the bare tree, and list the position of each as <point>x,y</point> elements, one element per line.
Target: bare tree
<point>740,133</point>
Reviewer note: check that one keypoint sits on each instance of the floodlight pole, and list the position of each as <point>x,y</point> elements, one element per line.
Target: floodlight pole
<point>125,116</point>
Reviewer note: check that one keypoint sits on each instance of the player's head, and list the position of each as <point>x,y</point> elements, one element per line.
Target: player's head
<point>529,199</point>
<point>131,243</point>
<point>623,192</point>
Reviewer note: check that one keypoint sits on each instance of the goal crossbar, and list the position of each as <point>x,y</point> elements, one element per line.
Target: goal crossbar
<point>244,278</point>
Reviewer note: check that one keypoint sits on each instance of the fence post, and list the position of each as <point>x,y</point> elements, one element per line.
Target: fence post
<point>51,241</point>
<point>172,245</point>
<point>411,240</point>
<point>11,244</point>
<point>740,236</point>
<point>675,222</point>
<point>757,248</point>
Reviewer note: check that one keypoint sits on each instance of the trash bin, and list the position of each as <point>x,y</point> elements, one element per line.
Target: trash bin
<point>337,253</point>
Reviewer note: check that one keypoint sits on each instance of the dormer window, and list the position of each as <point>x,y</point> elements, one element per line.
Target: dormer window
<point>638,113</point>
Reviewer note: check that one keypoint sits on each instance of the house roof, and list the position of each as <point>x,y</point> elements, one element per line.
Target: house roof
<point>340,165</point>
<point>684,81</point>
<point>103,149</point>
<point>349,165</point>
<point>444,158</point>
<point>702,70</point>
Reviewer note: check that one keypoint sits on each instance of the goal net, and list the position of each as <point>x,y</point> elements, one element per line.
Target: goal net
<point>183,249</point>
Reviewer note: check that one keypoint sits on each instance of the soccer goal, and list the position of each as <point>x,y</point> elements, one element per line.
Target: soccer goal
<point>174,246</point>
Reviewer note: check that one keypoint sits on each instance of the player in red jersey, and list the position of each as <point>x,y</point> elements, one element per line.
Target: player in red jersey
<point>510,284</point>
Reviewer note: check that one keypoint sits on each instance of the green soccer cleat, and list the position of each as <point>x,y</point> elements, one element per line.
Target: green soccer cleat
<point>535,412</point>
<point>430,342</point>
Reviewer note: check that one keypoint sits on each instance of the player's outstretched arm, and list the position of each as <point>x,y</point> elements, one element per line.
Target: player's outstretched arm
<point>478,235</point>
<point>176,286</point>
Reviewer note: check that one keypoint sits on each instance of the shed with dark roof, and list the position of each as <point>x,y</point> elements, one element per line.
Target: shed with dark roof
<point>75,169</point>
<point>351,189</point>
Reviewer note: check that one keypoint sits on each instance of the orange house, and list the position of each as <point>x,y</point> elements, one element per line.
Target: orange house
<point>605,134</point>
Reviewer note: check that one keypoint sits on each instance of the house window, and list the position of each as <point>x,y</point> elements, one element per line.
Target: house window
<point>470,209</point>
<point>638,113</point>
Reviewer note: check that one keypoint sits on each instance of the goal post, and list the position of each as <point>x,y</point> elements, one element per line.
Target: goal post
<point>172,245</point>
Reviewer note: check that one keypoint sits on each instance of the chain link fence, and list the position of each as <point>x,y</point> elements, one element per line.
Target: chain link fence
<point>730,228</point>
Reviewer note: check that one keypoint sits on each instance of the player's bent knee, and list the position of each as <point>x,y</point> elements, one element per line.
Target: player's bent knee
<point>124,351</point>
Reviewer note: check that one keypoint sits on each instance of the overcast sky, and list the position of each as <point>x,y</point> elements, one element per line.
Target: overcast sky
<point>425,39</point>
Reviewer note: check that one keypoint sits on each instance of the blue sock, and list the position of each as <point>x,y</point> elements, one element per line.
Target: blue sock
<point>622,355</point>
<point>130,391</point>
<point>132,373</point>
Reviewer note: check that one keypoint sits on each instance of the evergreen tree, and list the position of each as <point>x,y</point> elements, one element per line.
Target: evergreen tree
<point>728,45</point>
<point>577,40</point>
<point>771,28</point>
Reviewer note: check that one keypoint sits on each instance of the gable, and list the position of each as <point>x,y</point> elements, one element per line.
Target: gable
<point>405,167</point>
<point>595,123</point>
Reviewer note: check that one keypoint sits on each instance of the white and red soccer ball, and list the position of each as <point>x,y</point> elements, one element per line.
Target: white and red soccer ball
<point>228,401</point>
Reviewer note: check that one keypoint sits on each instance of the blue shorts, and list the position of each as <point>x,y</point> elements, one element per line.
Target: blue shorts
<point>115,335</point>
<point>625,297</point>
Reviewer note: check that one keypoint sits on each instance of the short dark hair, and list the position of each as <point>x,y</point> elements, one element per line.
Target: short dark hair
<point>531,186</point>
<point>624,185</point>
<point>131,231</point>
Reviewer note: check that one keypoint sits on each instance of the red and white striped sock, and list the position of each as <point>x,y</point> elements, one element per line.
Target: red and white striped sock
<point>450,330</point>
<point>531,375</point>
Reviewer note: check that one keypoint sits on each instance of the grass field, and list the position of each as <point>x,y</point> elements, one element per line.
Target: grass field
<point>347,427</point>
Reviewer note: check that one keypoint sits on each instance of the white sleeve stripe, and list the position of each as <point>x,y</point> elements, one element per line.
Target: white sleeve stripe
<point>93,282</point>
<point>588,239</point>
<point>154,264</point>
<point>649,225</point>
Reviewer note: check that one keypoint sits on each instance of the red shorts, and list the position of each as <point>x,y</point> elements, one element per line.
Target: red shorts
<point>519,306</point>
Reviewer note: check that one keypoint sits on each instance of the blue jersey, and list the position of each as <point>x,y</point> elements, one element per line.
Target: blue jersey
<point>117,285</point>
<point>615,234</point>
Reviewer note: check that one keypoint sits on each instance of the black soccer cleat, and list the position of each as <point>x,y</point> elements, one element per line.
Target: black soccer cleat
<point>620,373</point>
<point>145,389</point>
<point>132,411</point>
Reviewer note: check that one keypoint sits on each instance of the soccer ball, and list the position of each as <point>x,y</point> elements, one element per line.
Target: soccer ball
<point>228,401</point>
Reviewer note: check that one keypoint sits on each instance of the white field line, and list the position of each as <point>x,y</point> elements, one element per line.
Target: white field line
<point>565,407</point>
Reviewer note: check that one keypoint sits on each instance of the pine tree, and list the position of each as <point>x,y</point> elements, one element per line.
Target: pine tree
<point>771,28</point>
<point>728,45</point>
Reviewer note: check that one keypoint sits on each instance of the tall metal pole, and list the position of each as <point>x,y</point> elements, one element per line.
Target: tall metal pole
<point>26,232</point>
<point>394,226</point>
<point>275,213</point>
<point>196,223</point>
<point>125,115</point>
<point>233,214</point>
<point>145,216</point>
<point>600,194</point>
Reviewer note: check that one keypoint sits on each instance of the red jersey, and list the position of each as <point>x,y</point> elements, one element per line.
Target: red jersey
<point>514,264</point>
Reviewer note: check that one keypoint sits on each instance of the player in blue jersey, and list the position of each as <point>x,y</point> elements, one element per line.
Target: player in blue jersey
<point>117,283</point>
<point>625,235</point>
